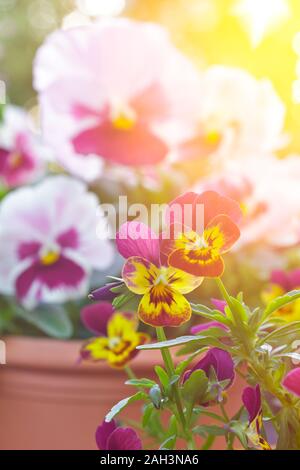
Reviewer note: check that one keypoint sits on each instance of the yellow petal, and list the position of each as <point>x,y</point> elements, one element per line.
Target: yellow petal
<point>163,306</point>
<point>182,281</point>
<point>139,274</point>
<point>96,349</point>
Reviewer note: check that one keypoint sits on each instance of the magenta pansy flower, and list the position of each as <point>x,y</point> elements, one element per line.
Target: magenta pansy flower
<point>48,242</point>
<point>105,293</point>
<point>204,326</point>
<point>21,151</point>
<point>109,89</point>
<point>218,360</point>
<point>111,437</point>
<point>292,381</point>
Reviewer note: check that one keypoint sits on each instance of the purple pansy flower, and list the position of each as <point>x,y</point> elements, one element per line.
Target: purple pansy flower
<point>48,242</point>
<point>111,437</point>
<point>204,326</point>
<point>292,381</point>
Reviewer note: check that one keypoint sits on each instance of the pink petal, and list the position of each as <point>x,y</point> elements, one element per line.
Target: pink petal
<point>138,146</point>
<point>219,304</point>
<point>136,239</point>
<point>103,433</point>
<point>251,398</point>
<point>95,317</point>
<point>292,381</point>
<point>62,274</point>
<point>204,326</point>
<point>124,439</point>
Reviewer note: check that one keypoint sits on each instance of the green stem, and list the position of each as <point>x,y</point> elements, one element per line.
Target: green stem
<point>168,361</point>
<point>130,373</point>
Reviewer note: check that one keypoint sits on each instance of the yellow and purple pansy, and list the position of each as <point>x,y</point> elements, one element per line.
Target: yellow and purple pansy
<point>162,287</point>
<point>198,250</point>
<point>117,336</point>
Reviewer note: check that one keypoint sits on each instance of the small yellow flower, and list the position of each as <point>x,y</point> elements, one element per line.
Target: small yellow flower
<point>119,346</point>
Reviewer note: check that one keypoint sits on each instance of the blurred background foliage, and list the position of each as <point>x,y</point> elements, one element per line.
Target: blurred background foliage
<point>257,35</point>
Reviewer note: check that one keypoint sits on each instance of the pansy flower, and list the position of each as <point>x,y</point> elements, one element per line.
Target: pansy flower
<point>117,338</point>
<point>48,242</point>
<point>196,246</point>
<point>146,274</point>
<point>222,129</point>
<point>109,436</point>
<point>251,398</point>
<point>21,151</point>
<point>129,91</point>
<point>282,282</point>
<point>268,193</point>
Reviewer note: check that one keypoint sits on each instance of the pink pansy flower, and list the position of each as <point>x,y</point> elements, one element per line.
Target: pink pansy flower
<point>21,151</point>
<point>48,242</point>
<point>268,192</point>
<point>111,437</point>
<point>237,117</point>
<point>292,381</point>
<point>105,91</point>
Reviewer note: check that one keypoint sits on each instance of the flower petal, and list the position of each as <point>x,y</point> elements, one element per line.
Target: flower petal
<point>205,326</point>
<point>135,147</point>
<point>251,398</point>
<point>95,317</point>
<point>222,233</point>
<point>219,304</point>
<point>162,306</point>
<point>214,205</point>
<point>96,349</point>
<point>104,293</point>
<point>193,262</point>
<point>182,281</point>
<point>103,432</point>
<point>139,274</point>
<point>292,381</point>
<point>124,439</point>
<point>136,239</point>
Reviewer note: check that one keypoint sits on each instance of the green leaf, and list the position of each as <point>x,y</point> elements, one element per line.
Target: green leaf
<point>148,410</point>
<point>195,387</point>
<point>123,403</point>
<point>280,302</point>
<point>163,376</point>
<point>238,429</point>
<point>210,430</point>
<point>290,331</point>
<point>52,320</point>
<point>213,315</point>
<point>171,343</point>
<point>146,383</point>
<point>169,443</point>
<point>241,309</point>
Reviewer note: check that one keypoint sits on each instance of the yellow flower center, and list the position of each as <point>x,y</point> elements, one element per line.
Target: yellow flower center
<point>122,116</point>
<point>114,342</point>
<point>49,257</point>
<point>212,136</point>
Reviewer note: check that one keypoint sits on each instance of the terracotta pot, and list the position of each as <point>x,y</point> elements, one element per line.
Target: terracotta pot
<point>48,401</point>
